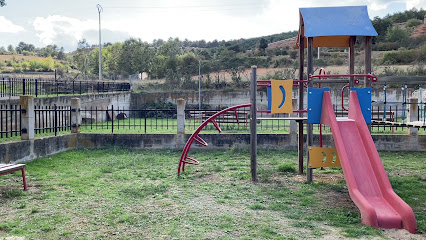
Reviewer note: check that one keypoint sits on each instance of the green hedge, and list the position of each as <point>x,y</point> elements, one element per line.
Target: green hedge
<point>405,56</point>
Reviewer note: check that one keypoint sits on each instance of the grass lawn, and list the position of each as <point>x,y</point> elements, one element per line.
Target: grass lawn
<point>135,194</point>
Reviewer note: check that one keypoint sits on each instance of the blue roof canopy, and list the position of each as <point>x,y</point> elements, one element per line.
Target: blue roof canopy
<point>333,25</point>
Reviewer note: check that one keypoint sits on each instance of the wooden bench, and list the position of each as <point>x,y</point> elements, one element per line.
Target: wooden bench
<point>10,168</point>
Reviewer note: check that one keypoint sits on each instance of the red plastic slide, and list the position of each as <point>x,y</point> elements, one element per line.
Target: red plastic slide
<point>368,184</point>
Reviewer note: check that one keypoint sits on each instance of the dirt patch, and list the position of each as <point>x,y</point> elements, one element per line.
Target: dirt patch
<point>402,234</point>
<point>324,178</point>
<point>403,173</point>
<point>13,238</point>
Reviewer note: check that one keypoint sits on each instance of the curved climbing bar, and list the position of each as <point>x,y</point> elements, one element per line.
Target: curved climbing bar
<point>184,159</point>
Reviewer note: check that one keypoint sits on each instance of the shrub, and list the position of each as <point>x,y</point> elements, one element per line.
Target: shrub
<point>336,61</point>
<point>27,53</point>
<point>293,54</point>
<point>413,22</point>
<point>320,62</point>
<point>385,46</point>
<point>282,62</point>
<point>405,56</point>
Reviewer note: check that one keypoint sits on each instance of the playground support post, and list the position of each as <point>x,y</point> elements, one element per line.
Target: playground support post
<point>367,60</point>
<point>301,91</point>
<point>352,41</point>
<point>367,64</point>
<point>309,127</point>
<point>253,126</point>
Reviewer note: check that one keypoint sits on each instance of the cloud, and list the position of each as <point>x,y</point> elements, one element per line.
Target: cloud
<point>50,28</point>
<point>384,4</point>
<point>8,27</point>
<point>416,4</point>
<point>66,31</point>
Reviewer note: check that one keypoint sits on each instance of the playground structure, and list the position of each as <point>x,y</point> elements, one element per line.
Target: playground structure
<point>368,184</point>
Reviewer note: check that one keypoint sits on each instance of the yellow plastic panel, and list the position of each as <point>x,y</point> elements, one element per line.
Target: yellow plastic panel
<point>281,96</point>
<point>323,157</point>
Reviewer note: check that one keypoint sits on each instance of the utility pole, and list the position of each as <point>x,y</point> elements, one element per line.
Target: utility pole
<point>100,9</point>
<point>199,84</point>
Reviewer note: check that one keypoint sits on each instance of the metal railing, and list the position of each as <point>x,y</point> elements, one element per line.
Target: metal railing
<point>52,119</point>
<point>26,86</point>
<point>10,124</point>
<point>124,120</point>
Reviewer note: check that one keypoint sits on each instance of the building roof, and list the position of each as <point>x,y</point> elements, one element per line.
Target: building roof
<point>333,26</point>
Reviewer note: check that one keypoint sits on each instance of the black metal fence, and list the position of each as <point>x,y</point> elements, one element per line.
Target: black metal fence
<point>52,119</point>
<point>124,120</point>
<point>37,87</point>
<point>10,124</point>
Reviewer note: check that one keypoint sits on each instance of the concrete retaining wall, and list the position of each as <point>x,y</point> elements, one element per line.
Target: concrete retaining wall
<point>224,141</point>
<point>28,150</point>
<point>91,100</point>
<point>23,151</point>
<point>227,99</point>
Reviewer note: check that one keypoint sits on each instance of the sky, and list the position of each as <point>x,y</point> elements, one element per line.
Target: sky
<point>64,23</point>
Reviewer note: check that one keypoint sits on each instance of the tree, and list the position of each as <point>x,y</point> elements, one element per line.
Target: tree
<point>112,56</point>
<point>10,49</point>
<point>125,62</point>
<point>60,54</point>
<point>83,44</point>
<point>396,34</point>
<point>381,26</point>
<point>22,46</point>
<point>81,61</point>
<point>263,44</point>
<point>171,49</point>
<point>2,3</point>
<point>188,64</point>
<point>158,67</point>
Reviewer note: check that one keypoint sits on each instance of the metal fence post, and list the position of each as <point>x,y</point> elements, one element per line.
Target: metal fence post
<point>27,117</point>
<point>75,115</point>
<point>56,119</point>
<point>36,87</point>
<point>112,118</point>
<point>23,86</point>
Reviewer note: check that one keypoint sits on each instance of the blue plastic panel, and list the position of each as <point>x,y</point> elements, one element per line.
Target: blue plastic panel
<point>315,104</point>
<point>364,98</point>
<point>337,21</point>
<point>269,91</point>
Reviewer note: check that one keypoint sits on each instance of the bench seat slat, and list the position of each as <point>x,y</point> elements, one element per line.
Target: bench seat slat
<point>10,167</point>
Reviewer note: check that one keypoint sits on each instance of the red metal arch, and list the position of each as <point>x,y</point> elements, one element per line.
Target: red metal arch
<point>184,159</point>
